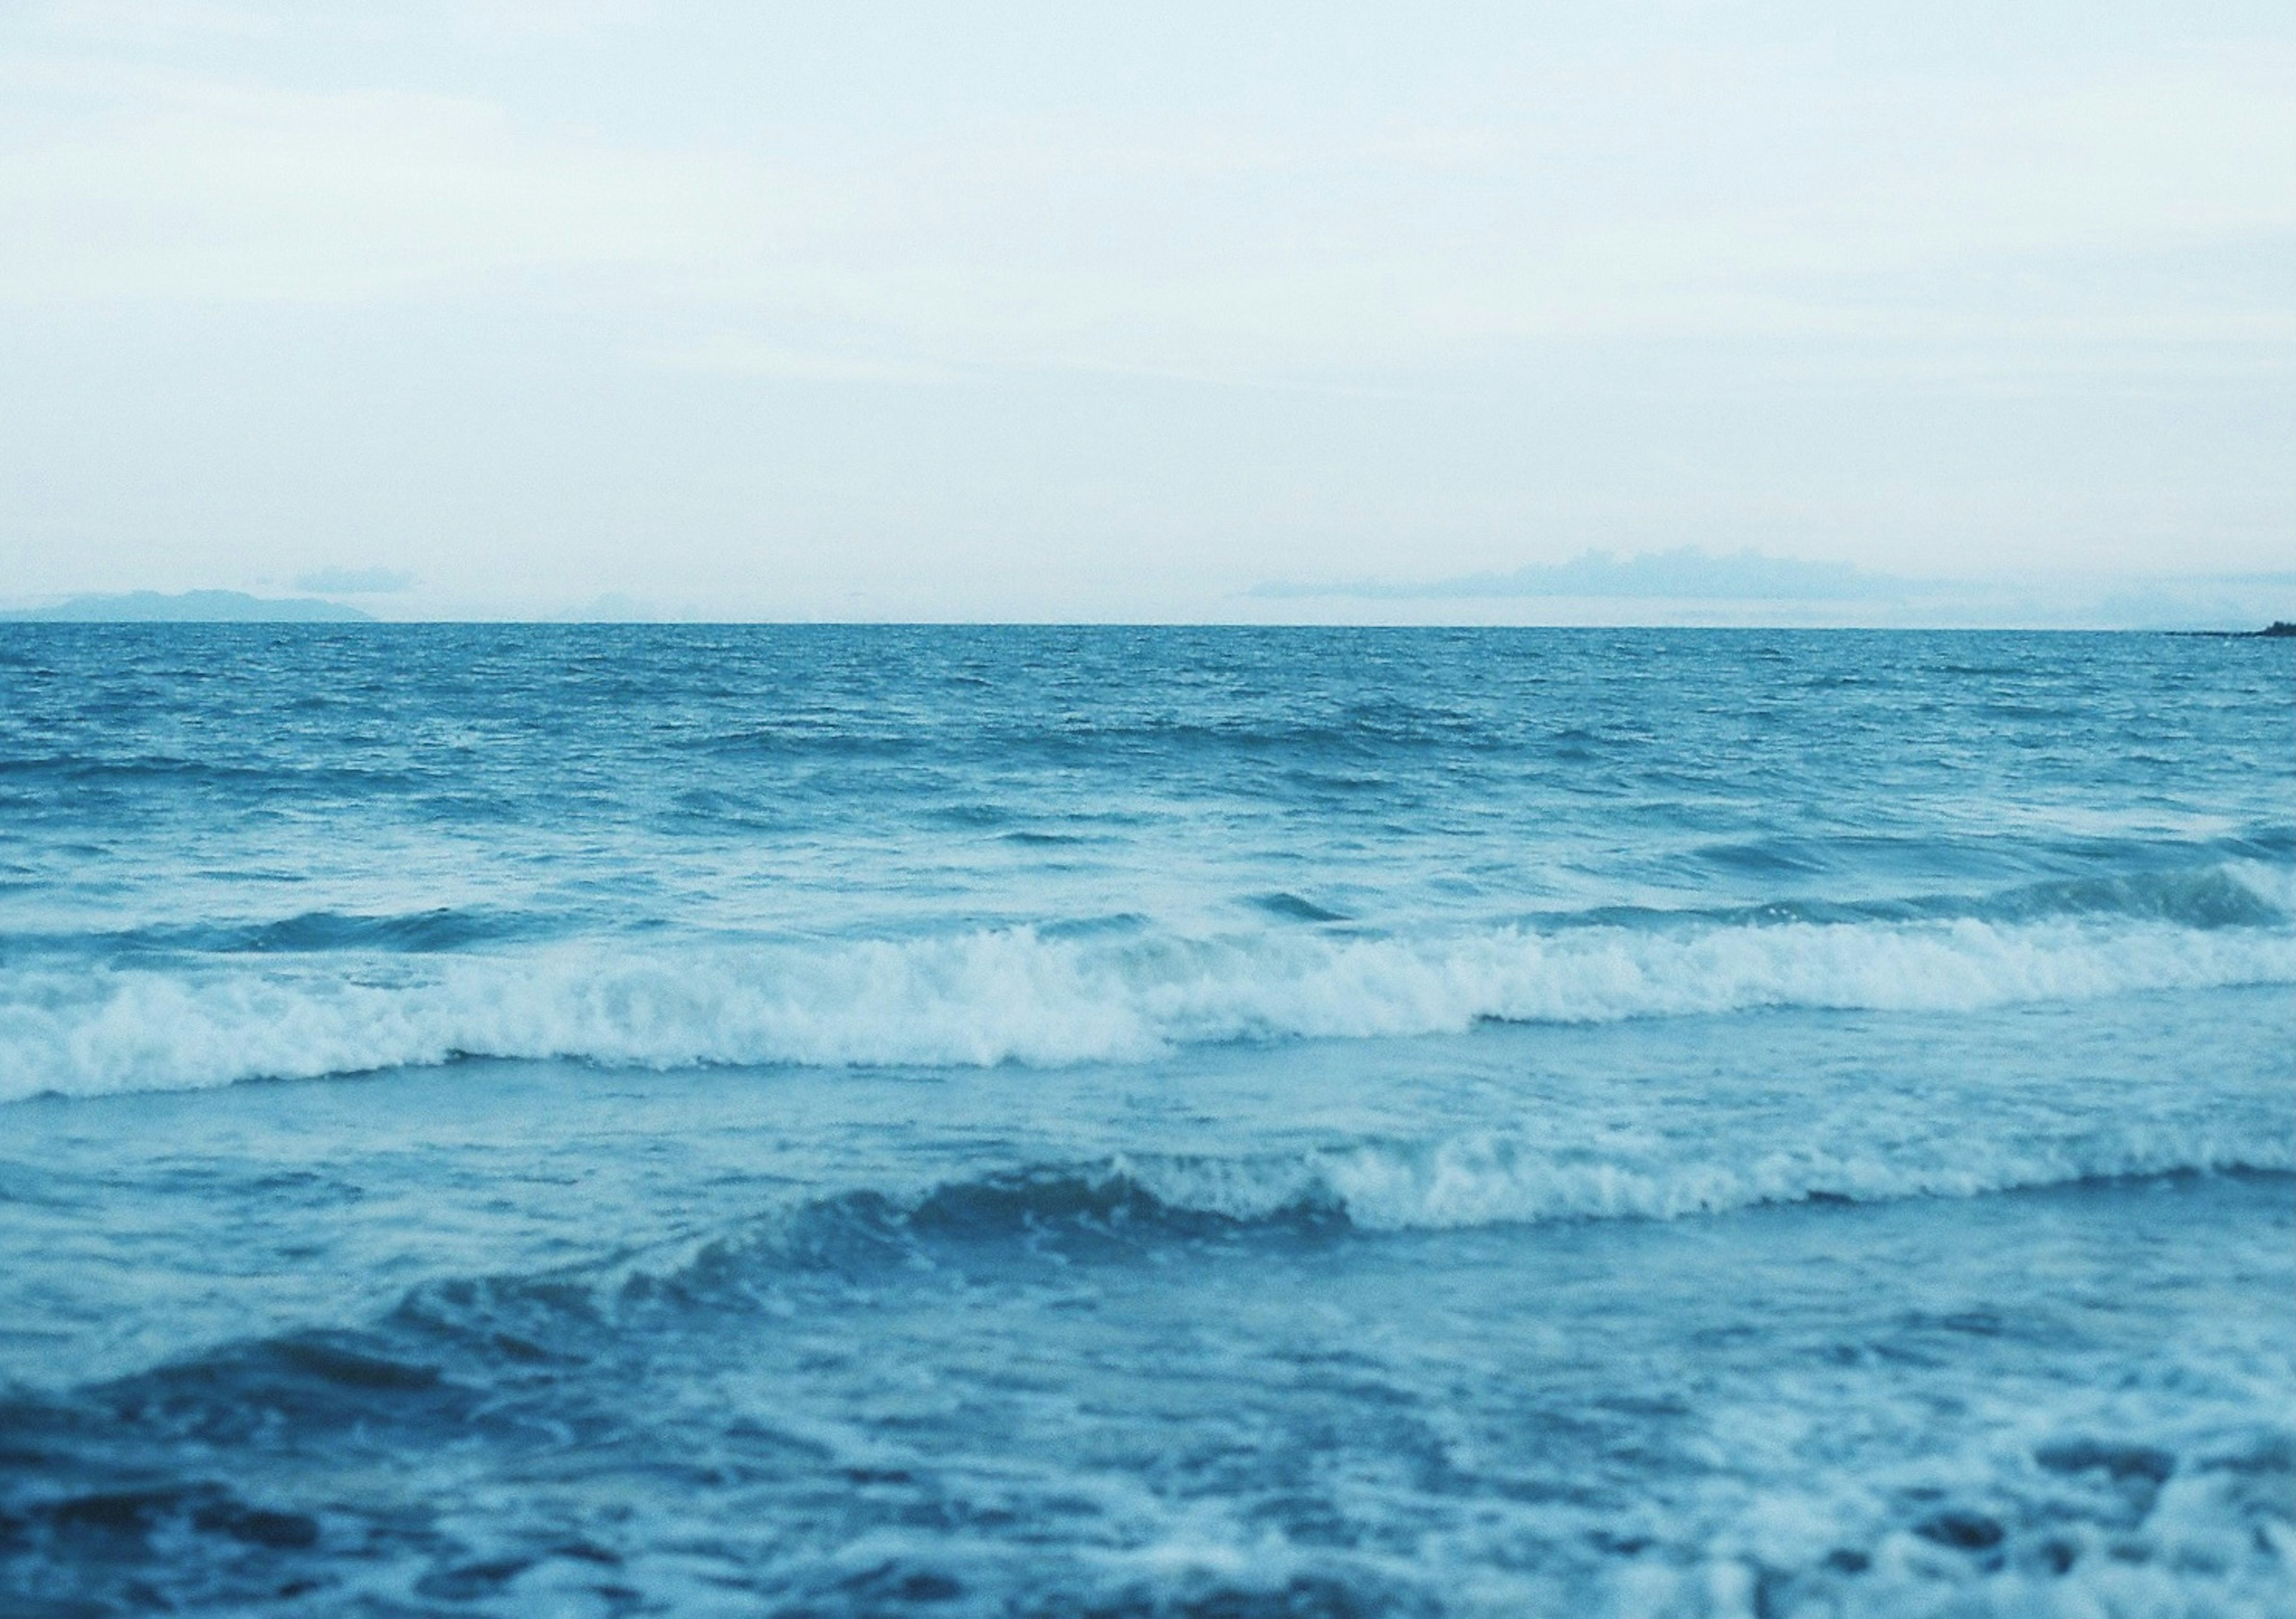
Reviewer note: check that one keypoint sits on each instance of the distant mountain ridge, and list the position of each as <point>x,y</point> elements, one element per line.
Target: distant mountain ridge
<point>192,607</point>
<point>1684,573</point>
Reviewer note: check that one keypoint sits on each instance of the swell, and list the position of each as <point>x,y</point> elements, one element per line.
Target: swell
<point>1494,1179</point>
<point>308,933</point>
<point>1115,1212</point>
<point>2241,892</point>
<point>1022,995</point>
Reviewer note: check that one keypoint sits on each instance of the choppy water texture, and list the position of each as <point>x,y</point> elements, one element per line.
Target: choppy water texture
<point>1038,1122</point>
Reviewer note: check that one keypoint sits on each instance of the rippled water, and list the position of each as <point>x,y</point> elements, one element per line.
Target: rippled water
<point>1137,1122</point>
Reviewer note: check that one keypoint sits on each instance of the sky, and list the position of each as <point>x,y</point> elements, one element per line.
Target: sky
<point>599,308</point>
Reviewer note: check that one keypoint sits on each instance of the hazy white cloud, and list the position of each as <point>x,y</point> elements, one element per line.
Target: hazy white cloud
<point>1684,573</point>
<point>152,186</point>
<point>148,23</point>
<point>176,23</point>
<point>1547,271</point>
<point>356,581</point>
<point>1589,191</point>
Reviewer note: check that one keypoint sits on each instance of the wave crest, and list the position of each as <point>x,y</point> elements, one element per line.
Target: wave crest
<point>1022,995</point>
<point>1144,1205</point>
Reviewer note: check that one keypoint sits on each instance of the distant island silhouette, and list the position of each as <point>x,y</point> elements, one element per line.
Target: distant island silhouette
<point>192,607</point>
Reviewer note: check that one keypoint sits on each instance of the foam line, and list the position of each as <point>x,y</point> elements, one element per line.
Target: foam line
<point>1014,994</point>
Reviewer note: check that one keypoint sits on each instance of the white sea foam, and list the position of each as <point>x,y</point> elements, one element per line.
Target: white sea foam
<point>1017,996</point>
<point>1495,1179</point>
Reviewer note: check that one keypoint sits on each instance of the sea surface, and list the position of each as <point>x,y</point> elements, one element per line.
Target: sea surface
<point>1216,1122</point>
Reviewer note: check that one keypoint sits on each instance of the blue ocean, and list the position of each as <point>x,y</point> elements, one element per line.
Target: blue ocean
<point>1226,1122</point>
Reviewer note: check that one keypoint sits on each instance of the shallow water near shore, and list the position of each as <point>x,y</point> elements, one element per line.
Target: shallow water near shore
<point>1051,1120</point>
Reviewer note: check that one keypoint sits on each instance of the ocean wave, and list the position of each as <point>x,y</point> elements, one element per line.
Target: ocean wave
<point>1019,995</point>
<point>437,930</point>
<point>1495,1179</point>
<point>2238,892</point>
<point>1110,1210</point>
<point>1148,1206</point>
<point>1113,1211</point>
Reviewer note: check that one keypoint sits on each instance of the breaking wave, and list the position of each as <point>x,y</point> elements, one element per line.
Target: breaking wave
<point>1022,995</point>
<point>1494,1180</point>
